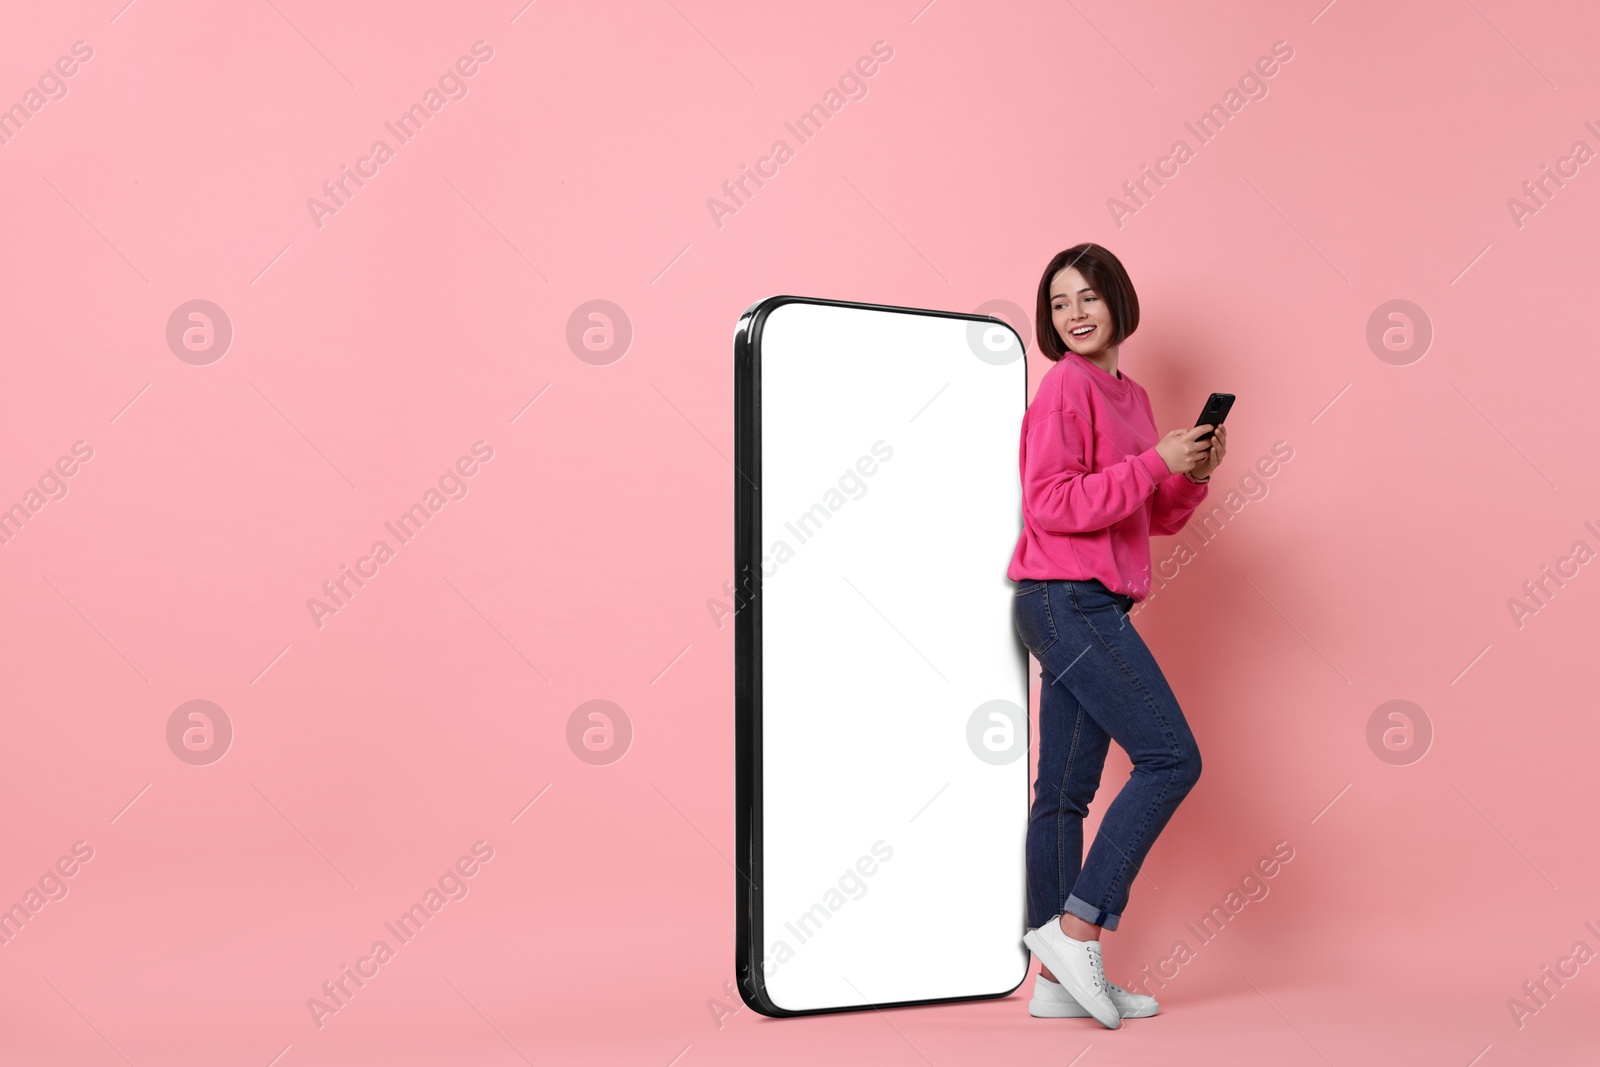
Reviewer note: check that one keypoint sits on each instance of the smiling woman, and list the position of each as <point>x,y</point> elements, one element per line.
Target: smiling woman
<point>1097,481</point>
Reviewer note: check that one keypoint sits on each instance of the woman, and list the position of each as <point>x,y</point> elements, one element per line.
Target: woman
<point>1096,483</point>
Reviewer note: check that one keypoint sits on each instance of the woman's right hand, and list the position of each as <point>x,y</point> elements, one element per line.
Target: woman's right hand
<point>1180,449</point>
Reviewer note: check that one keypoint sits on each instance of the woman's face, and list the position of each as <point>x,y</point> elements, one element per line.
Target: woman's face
<point>1075,306</point>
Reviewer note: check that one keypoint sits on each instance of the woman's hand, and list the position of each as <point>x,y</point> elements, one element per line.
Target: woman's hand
<point>1182,452</point>
<point>1213,458</point>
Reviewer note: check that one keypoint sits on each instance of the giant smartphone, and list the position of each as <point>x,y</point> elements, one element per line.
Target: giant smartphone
<point>881,691</point>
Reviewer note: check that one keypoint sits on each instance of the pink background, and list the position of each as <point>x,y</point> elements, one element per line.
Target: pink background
<point>368,354</point>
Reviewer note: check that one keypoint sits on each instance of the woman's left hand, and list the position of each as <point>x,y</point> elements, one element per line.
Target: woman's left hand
<point>1219,448</point>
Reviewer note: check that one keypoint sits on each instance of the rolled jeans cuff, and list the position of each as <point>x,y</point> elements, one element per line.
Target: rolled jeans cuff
<point>1091,914</point>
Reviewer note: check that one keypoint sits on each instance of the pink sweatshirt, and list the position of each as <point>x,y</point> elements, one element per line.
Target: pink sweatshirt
<point>1094,488</point>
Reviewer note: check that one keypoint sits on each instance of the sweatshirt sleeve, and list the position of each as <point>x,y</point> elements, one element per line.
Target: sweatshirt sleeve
<point>1064,496</point>
<point>1175,501</point>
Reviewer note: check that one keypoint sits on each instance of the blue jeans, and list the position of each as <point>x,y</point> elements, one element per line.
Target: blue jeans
<point>1098,682</point>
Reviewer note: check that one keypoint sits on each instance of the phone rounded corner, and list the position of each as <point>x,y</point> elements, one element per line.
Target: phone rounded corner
<point>747,331</point>
<point>764,307</point>
<point>1022,342</point>
<point>1027,968</point>
<point>753,991</point>
<point>767,303</point>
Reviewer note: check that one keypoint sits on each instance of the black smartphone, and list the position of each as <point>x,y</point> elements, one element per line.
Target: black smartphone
<point>1216,409</point>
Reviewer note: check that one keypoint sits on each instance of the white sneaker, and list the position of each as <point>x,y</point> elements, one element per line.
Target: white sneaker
<point>1077,967</point>
<point>1050,1001</point>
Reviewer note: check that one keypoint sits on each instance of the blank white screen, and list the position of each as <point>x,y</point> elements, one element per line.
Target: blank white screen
<point>886,624</point>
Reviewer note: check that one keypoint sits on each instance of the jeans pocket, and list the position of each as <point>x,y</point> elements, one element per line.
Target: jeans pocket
<point>1031,614</point>
<point>1092,595</point>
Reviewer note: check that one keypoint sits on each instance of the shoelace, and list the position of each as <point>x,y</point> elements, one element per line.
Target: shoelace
<point>1099,972</point>
<point>1114,989</point>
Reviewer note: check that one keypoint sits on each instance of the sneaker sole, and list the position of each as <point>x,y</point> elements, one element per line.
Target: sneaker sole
<point>1054,1009</point>
<point>1058,967</point>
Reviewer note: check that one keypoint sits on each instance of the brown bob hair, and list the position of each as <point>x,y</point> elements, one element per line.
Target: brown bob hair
<point>1109,280</point>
